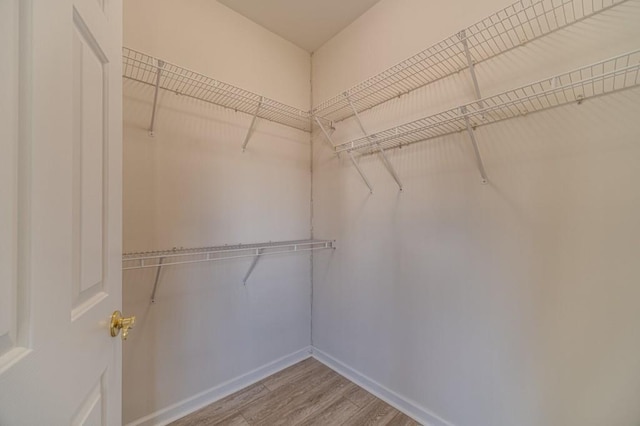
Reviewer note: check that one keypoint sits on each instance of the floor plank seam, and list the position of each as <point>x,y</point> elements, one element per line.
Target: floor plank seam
<point>266,386</point>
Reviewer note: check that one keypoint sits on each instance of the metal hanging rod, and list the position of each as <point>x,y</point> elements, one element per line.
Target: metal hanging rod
<point>155,72</point>
<point>181,256</point>
<point>513,26</point>
<point>601,78</point>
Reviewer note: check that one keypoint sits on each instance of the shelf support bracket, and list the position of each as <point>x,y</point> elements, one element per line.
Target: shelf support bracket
<point>155,97</point>
<point>462,35</point>
<point>474,142</point>
<point>383,155</point>
<point>353,160</point>
<point>253,265</point>
<point>327,135</point>
<point>155,284</point>
<point>253,123</point>
<point>362,175</point>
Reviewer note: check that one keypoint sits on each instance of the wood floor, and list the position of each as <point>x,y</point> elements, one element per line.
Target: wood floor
<point>308,393</point>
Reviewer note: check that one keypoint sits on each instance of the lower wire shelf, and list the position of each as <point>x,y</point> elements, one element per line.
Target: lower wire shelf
<point>181,256</point>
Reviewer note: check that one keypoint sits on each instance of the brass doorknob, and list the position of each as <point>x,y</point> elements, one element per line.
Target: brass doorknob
<point>118,322</point>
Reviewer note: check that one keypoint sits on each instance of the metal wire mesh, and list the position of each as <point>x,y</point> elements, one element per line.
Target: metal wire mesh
<point>510,27</point>
<point>610,75</point>
<point>143,68</point>
<point>176,256</point>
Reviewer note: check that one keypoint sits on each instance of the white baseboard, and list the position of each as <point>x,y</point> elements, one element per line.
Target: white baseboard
<point>187,406</point>
<point>410,408</point>
<point>196,402</point>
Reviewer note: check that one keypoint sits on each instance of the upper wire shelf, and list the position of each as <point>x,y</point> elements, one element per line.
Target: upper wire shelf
<point>144,68</point>
<point>600,78</point>
<point>510,27</point>
<point>154,259</point>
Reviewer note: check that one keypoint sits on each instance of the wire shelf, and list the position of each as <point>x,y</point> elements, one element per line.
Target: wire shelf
<point>155,259</point>
<point>604,77</point>
<point>510,27</point>
<point>143,68</point>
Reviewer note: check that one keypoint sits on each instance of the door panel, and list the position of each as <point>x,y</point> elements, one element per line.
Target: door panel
<point>60,211</point>
<point>92,411</point>
<point>90,106</point>
<point>8,139</point>
<point>12,312</point>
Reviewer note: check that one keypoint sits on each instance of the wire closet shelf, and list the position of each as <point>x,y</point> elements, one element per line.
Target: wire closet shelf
<point>144,68</point>
<point>154,259</point>
<point>506,29</point>
<point>604,77</point>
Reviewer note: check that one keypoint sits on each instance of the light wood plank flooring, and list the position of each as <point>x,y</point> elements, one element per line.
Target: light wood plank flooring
<point>307,393</point>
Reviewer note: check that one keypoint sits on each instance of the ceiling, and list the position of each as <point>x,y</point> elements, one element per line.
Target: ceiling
<point>306,23</point>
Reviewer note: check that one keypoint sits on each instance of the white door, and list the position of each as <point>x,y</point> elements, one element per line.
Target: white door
<point>60,211</point>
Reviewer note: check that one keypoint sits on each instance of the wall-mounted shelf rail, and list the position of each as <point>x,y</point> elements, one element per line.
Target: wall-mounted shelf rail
<point>181,256</point>
<point>160,74</point>
<point>601,78</point>
<point>513,26</point>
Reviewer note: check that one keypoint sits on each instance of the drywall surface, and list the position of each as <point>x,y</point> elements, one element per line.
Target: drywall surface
<point>212,39</point>
<point>511,303</point>
<point>192,186</point>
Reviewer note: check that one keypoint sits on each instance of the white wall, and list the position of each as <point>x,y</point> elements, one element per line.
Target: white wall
<point>192,186</point>
<point>212,39</point>
<point>512,303</point>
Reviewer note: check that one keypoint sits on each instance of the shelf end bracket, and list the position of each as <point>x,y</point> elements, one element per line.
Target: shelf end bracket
<point>327,135</point>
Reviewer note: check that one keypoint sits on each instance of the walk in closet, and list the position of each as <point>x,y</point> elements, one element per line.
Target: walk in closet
<point>439,201</point>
